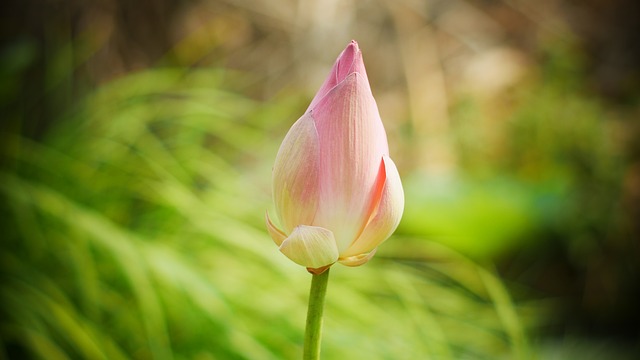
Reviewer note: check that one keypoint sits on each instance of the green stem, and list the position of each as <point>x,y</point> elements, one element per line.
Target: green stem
<point>313,332</point>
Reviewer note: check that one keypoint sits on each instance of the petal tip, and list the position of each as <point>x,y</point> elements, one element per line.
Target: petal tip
<point>357,260</point>
<point>319,270</point>
<point>276,234</point>
<point>353,45</point>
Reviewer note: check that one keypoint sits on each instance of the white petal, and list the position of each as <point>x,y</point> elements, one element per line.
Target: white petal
<point>310,246</point>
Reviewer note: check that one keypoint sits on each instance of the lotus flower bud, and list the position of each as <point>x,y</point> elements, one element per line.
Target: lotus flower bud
<point>337,192</point>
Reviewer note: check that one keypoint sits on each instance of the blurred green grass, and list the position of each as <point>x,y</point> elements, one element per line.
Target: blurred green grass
<point>135,230</point>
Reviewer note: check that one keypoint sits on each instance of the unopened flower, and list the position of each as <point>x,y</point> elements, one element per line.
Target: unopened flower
<point>337,192</point>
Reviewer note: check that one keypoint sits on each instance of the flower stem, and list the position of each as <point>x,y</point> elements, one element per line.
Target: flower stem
<point>313,332</point>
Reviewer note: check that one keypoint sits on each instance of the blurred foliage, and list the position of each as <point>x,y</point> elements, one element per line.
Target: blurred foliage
<point>136,148</point>
<point>136,230</point>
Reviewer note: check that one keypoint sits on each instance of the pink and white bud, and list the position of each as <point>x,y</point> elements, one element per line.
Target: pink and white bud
<point>337,192</point>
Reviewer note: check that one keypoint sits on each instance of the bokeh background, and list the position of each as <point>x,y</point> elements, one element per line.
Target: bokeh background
<point>137,139</point>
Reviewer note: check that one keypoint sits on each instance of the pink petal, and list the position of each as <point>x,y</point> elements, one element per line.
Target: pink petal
<point>295,175</point>
<point>385,217</point>
<point>310,246</point>
<point>349,61</point>
<point>276,234</point>
<point>352,142</point>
